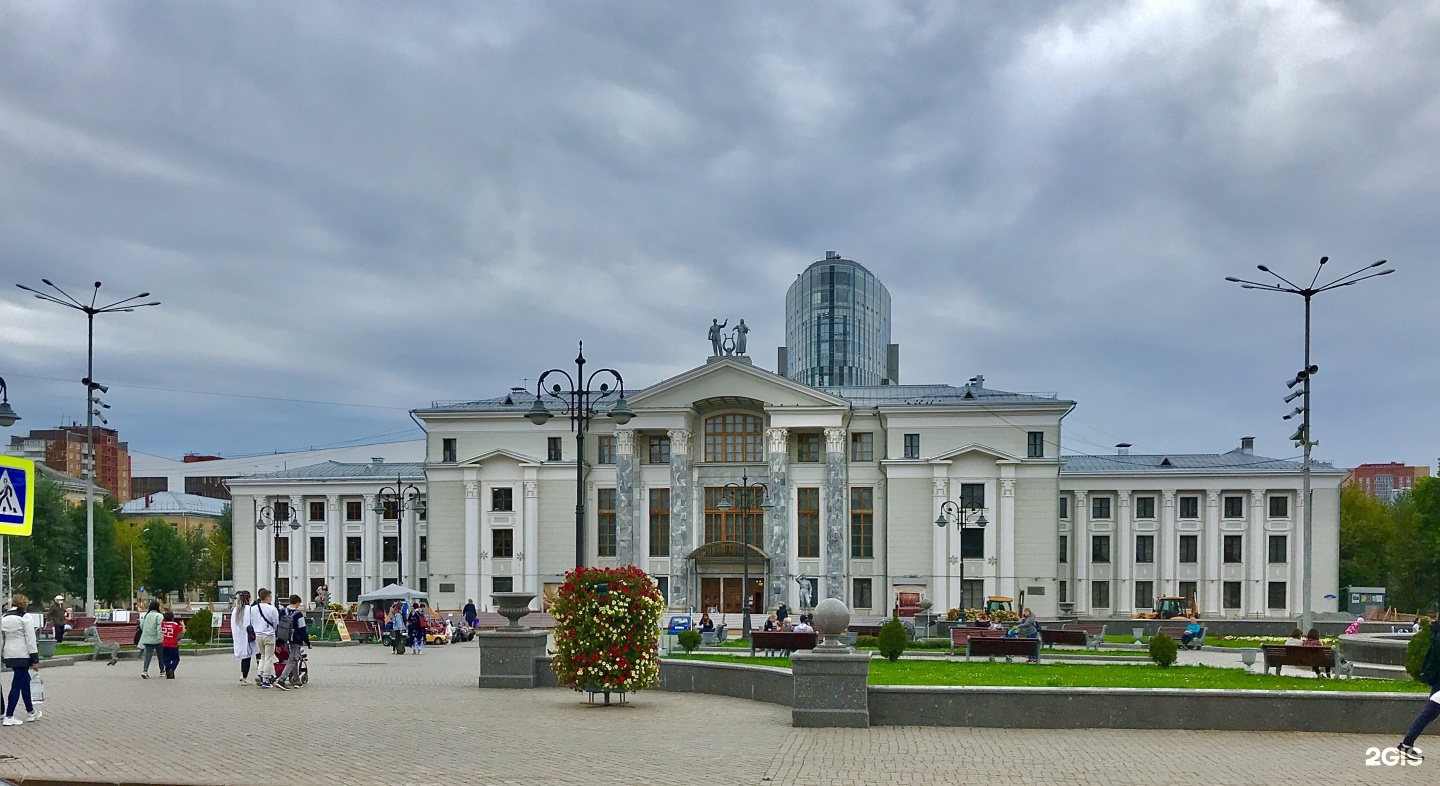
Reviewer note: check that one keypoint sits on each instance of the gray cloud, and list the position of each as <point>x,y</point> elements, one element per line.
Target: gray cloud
<point>386,206</point>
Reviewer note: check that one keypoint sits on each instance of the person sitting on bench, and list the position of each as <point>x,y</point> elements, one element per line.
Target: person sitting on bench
<point>1312,639</point>
<point>1192,632</point>
<point>707,625</point>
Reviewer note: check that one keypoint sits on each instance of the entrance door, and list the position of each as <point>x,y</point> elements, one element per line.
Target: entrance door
<point>732,596</point>
<point>709,593</point>
<point>757,595</point>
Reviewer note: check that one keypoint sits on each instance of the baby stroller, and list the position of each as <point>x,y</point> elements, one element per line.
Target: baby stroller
<point>282,654</point>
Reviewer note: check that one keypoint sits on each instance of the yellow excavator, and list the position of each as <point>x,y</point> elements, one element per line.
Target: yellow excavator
<point>1169,607</point>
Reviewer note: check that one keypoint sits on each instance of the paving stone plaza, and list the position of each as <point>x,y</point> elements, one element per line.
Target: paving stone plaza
<point>370,717</point>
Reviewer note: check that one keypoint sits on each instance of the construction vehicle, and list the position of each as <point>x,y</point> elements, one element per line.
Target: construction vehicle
<point>996,603</point>
<point>1169,607</point>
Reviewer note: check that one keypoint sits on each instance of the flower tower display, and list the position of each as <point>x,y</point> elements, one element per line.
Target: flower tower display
<point>607,630</point>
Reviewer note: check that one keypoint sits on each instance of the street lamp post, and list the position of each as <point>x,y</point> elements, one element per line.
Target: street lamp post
<point>267,519</point>
<point>7,414</point>
<point>1302,436</point>
<point>579,403</point>
<point>960,516</point>
<point>126,305</point>
<point>725,504</point>
<point>402,496</point>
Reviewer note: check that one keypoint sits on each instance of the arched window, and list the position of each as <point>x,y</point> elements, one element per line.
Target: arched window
<point>733,439</point>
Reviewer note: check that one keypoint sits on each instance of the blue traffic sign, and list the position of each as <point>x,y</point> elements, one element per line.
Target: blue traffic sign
<point>17,495</point>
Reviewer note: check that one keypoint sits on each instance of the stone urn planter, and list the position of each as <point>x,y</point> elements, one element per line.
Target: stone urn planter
<point>46,647</point>
<point>512,606</point>
<point>1139,634</point>
<point>1247,656</point>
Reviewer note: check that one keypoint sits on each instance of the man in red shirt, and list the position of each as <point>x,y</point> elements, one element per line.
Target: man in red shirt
<point>170,631</point>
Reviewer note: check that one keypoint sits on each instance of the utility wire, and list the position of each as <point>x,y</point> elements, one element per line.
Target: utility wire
<point>230,395</point>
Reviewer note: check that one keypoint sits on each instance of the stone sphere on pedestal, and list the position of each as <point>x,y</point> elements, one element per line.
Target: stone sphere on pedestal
<point>832,620</point>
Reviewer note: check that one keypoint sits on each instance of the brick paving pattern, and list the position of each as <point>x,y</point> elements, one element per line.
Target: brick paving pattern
<point>369,717</point>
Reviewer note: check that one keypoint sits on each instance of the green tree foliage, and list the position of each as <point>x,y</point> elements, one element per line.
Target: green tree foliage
<point>1163,650</point>
<point>1396,546</point>
<point>112,565</point>
<point>690,640</point>
<point>196,545</point>
<point>199,629</point>
<point>1419,646</point>
<point>43,564</point>
<point>892,639</point>
<point>169,561</point>
<point>128,543</point>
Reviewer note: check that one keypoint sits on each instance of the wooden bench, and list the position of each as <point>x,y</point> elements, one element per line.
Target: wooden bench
<point>1094,634</point>
<point>1077,638</point>
<point>121,633</point>
<point>1277,655</point>
<point>92,636</point>
<point>1178,634</point>
<point>785,641</point>
<point>999,645</point>
<point>960,636</point>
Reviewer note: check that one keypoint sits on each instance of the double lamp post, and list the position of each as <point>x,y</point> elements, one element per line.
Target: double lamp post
<point>745,489</point>
<point>963,516</point>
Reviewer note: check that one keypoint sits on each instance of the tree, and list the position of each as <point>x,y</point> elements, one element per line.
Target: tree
<point>216,566</point>
<point>112,565</point>
<point>42,565</point>
<point>169,561</point>
<point>128,544</point>
<point>196,546</point>
<point>893,639</point>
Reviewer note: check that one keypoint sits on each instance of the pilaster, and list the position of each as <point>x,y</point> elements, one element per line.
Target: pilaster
<point>371,544</point>
<point>529,559</point>
<point>473,544</point>
<point>626,538</point>
<point>681,507</point>
<point>777,533</point>
<point>299,565</point>
<point>1210,586</point>
<point>940,549</point>
<point>1169,557</point>
<point>1122,598</point>
<point>334,548</point>
<point>1081,590</point>
<point>837,507</point>
<point>1005,537</point>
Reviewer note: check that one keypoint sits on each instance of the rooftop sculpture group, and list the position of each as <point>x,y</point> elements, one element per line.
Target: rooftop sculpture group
<point>733,344</point>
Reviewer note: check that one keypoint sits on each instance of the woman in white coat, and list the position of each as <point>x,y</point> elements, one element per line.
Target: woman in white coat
<point>21,655</point>
<point>240,635</point>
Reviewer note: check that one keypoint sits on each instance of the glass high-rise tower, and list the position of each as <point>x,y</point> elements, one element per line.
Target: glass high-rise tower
<point>837,327</point>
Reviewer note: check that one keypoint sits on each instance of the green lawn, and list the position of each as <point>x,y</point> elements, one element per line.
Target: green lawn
<point>745,645</point>
<point>1238,642</point>
<point>87,649</point>
<point>1067,675</point>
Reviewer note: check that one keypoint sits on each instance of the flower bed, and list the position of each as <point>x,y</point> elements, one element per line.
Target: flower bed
<point>607,630</point>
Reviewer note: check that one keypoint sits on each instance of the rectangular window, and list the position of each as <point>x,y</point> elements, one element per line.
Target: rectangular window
<point>862,523</point>
<point>424,548</point>
<point>282,548</point>
<point>1276,595</point>
<point>447,449</point>
<point>1064,592</point>
<point>807,448</point>
<point>1189,548</point>
<point>353,512</point>
<point>1144,595</point>
<point>807,510</point>
<point>353,590</point>
<point>1279,549</point>
<point>424,584</point>
<point>391,508</point>
<point>1233,547</point>
<point>1035,444</point>
<point>1144,507</point>
<point>912,446</point>
<point>972,593</point>
<point>390,549</point>
<point>741,522</point>
<point>659,522</point>
<point>502,498</point>
<point>1100,508</point>
<point>1234,507</point>
<point>1188,590</point>
<point>862,446</point>
<point>388,580</point>
<point>972,543</point>
<point>1144,549</point>
<point>1230,595</point>
<point>317,510</point>
<point>605,522</point>
<point>317,549</point>
<point>552,449</point>
<point>1100,594</point>
<point>1100,548</point>
<point>1064,548</point>
<point>502,583</point>
<point>659,450</point>
<point>972,496</point>
<point>1279,507</point>
<point>352,548</point>
<point>281,509</point>
<point>1189,507</point>
<point>502,543</point>
<point>282,588</point>
<point>605,449</point>
<point>860,594</point>
<point>1064,507</point>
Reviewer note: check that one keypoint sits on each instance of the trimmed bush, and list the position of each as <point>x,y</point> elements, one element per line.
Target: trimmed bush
<point>690,640</point>
<point>1163,650</point>
<point>867,641</point>
<point>1419,645</point>
<point>199,629</point>
<point>892,639</point>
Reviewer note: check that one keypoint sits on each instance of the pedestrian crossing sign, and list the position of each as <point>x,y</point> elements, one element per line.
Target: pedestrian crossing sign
<point>17,495</point>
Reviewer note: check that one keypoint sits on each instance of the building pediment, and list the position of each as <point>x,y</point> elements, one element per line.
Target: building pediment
<point>499,455</point>
<point>973,448</point>
<point>732,379</point>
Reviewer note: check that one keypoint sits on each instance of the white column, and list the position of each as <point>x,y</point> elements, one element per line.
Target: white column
<point>472,543</point>
<point>1005,534</point>
<point>1123,587</point>
<point>1080,592</point>
<point>1169,556</point>
<point>264,543</point>
<point>940,552</point>
<point>299,567</point>
<point>1297,558</point>
<point>334,548</point>
<point>371,553</point>
<point>1254,600</point>
<point>530,560</point>
<point>1210,587</point>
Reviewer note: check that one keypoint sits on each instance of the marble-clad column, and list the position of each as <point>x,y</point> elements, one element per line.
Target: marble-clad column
<point>837,506</point>
<point>1080,592</point>
<point>626,538</point>
<point>473,544</point>
<point>681,507</point>
<point>777,534</point>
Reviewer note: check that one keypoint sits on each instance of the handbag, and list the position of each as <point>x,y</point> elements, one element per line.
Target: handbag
<point>137,635</point>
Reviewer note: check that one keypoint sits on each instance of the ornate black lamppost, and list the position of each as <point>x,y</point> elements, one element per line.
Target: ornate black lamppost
<point>266,519</point>
<point>1302,437</point>
<point>962,516</point>
<point>743,487</point>
<point>579,403</point>
<point>402,496</point>
<point>7,414</point>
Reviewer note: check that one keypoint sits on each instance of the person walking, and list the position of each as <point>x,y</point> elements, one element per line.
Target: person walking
<point>1429,674</point>
<point>242,636</point>
<point>470,613</point>
<point>21,655</point>
<point>263,619</point>
<point>150,638</point>
<point>59,618</point>
<point>170,630</point>
<point>415,623</point>
<point>298,639</point>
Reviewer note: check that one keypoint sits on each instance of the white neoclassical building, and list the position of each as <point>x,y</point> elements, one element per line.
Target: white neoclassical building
<point>855,479</point>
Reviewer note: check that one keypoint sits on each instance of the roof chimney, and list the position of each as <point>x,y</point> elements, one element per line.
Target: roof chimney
<point>377,459</point>
<point>1247,445</point>
<point>1122,449</point>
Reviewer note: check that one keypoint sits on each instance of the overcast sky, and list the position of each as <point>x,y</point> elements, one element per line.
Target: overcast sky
<point>386,204</point>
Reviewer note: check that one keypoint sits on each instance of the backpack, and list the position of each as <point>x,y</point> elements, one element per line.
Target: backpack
<point>285,628</point>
